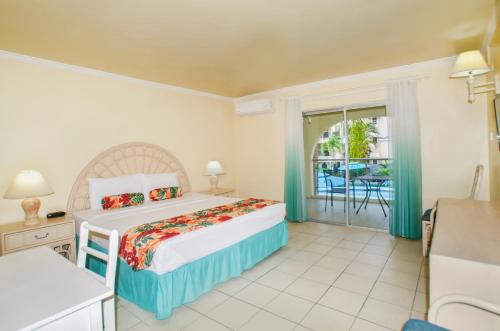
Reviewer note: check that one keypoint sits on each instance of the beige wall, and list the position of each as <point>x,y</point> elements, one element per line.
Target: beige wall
<point>454,133</point>
<point>494,151</point>
<point>57,119</point>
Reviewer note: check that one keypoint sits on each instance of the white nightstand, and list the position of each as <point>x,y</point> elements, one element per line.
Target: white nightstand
<point>58,233</point>
<point>225,192</point>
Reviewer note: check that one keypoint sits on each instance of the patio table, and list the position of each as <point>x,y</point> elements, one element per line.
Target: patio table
<point>379,181</point>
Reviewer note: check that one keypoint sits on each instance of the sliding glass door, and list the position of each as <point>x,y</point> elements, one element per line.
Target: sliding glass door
<point>348,166</point>
<point>325,156</point>
<point>369,167</point>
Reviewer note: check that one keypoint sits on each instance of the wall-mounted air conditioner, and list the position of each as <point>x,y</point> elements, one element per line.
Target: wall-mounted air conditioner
<point>254,107</point>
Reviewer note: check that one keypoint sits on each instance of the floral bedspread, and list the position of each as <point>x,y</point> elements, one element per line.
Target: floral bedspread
<point>139,243</point>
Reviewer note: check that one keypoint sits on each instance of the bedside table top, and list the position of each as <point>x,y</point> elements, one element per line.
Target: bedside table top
<point>18,226</point>
<point>220,190</point>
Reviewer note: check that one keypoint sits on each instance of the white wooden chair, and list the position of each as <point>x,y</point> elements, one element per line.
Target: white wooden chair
<point>428,224</point>
<point>110,258</point>
<point>460,299</point>
<point>478,176</point>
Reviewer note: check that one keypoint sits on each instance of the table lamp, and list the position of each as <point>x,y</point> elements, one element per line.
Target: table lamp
<point>28,185</point>
<point>214,169</point>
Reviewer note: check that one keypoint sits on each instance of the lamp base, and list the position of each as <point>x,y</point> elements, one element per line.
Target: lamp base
<point>31,207</point>
<point>214,181</point>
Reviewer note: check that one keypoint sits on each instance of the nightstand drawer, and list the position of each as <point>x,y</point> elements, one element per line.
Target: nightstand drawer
<point>35,237</point>
<point>58,233</point>
<point>40,236</point>
<point>65,231</point>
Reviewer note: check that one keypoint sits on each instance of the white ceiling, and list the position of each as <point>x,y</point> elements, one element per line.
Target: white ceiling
<point>237,47</point>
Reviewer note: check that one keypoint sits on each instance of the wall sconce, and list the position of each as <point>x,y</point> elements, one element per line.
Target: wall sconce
<point>470,64</point>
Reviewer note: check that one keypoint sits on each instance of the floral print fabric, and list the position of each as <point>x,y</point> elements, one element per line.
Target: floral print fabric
<point>139,243</point>
<point>165,193</point>
<point>122,200</point>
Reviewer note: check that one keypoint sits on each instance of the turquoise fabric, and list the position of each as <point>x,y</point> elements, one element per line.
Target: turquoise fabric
<point>159,294</point>
<point>406,165</point>
<point>295,185</point>
<point>419,325</point>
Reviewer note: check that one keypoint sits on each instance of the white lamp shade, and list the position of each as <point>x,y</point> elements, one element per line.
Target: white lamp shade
<point>28,184</point>
<point>469,63</point>
<point>214,168</point>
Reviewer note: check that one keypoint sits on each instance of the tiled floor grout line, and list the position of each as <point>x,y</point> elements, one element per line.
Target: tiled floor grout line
<point>341,273</point>
<point>375,282</point>
<point>425,293</point>
<point>331,285</point>
<point>388,257</point>
<point>297,277</point>
<point>313,236</point>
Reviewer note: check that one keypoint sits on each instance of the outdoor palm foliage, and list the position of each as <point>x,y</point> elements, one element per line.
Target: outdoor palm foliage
<point>334,144</point>
<point>361,136</point>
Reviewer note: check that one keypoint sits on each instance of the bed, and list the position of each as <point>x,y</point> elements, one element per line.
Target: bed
<point>188,265</point>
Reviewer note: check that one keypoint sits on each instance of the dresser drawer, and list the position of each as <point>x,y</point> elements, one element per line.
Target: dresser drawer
<point>36,237</point>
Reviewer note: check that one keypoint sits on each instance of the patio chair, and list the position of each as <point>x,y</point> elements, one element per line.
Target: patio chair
<point>331,188</point>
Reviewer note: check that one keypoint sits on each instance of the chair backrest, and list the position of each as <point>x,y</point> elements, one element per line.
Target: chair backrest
<point>478,176</point>
<point>373,169</point>
<point>460,299</point>
<point>433,215</point>
<point>110,258</point>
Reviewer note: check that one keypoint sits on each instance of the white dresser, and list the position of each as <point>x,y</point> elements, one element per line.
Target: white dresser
<point>42,290</point>
<point>465,260</point>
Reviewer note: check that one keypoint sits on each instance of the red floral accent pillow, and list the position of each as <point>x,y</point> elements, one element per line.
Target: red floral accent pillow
<point>122,200</point>
<point>165,193</point>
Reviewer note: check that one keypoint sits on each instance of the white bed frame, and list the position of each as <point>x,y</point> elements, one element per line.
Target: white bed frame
<point>132,158</point>
<point>121,160</point>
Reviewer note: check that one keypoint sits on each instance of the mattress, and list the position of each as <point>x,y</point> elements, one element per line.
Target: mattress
<point>185,248</point>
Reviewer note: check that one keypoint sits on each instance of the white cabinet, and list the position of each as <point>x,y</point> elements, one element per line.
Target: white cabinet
<point>44,291</point>
<point>465,260</point>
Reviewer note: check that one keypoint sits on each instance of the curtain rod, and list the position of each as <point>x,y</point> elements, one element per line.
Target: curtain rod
<point>361,89</point>
<point>364,105</point>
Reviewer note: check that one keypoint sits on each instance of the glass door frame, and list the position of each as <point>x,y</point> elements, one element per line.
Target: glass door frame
<point>345,138</point>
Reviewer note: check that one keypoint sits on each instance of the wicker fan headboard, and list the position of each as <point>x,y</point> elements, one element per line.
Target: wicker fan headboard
<point>122,160</point>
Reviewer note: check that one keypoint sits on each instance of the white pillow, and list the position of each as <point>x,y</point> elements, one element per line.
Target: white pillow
<point>154,181</point>
<point>101,187</point>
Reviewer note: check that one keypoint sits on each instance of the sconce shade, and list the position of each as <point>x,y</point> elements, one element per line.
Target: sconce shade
<point>28,184</point>
<point>469,63</point>
<point>214,168</point>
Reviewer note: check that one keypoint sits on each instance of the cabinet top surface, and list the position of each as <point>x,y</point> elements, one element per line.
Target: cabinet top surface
<point>467,230</point>
<point>40,285</point>
<point>18,226</point>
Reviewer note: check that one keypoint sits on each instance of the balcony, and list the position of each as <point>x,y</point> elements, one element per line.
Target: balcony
<point>370,191</point>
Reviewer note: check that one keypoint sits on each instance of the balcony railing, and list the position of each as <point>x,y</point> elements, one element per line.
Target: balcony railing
<point>334,170</point>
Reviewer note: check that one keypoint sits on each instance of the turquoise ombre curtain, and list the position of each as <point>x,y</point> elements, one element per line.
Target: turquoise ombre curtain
<point>407,169</point>
<point>295,184</point>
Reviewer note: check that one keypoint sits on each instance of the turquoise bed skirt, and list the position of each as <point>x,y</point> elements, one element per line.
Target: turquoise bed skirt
<point>160,294</point>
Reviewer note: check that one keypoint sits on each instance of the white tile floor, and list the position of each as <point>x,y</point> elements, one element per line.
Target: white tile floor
<point>371,216</point>
<point>328,278</point>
